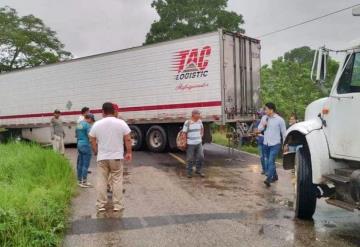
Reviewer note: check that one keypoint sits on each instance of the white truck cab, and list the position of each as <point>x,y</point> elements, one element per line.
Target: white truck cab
<point>327,157</point>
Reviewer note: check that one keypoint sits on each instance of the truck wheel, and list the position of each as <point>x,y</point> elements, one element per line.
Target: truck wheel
<point>305,190</point>
<point>156,139</point>
<point>136,138</point>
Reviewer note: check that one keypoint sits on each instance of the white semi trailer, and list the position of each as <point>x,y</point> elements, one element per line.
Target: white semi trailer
<point>327,157</point>
<point>156,87</point>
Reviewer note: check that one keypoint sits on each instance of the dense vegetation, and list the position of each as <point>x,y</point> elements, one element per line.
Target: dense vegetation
<point>185,18</point>
<point>36,186</point>
<point>287,81</point>
<point>25,41</point>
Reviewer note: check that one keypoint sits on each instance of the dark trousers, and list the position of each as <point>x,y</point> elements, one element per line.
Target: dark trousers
<point>194,154</point>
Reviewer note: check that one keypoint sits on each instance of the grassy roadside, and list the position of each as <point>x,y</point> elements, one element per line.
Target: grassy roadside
<point>36,186</point>
<point>220,138</point>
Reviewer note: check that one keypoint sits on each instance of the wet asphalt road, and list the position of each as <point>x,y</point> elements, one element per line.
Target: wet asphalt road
<point>229,207</point>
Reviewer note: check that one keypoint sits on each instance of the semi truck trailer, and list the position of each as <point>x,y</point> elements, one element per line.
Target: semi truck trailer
<point>156,87</point>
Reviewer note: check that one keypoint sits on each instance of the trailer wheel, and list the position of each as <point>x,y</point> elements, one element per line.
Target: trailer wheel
<point>156,139</point>
<point>305,190</point>
<point>136,138</point>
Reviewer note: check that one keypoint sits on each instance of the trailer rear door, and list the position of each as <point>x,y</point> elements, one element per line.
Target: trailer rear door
<point>241,76</point>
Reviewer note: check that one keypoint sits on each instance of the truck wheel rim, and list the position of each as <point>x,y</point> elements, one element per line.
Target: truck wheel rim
<point>156,139</point>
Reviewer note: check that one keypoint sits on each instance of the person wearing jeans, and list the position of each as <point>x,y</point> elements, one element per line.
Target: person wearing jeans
<point>271,153</point>
<point>274,129</point>
<point>194,154</point>
<point>84,149</point>
<point>83,162</point>
<point>194,131</point>
<point>261,154</point>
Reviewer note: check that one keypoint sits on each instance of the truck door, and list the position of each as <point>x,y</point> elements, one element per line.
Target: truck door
<point>241,76</point>
<point>343,116</point>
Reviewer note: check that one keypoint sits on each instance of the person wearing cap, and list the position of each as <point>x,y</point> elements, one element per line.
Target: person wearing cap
<point>194,131</point>
<point>85,110</point>
<point>84,149</point>
<point>108,137</point>
<point>57,132</point>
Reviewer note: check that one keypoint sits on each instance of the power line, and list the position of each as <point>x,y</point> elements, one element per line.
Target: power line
<point>307,21</point>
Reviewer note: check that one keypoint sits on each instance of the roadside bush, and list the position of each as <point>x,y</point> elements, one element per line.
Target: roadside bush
<point>36,186</point>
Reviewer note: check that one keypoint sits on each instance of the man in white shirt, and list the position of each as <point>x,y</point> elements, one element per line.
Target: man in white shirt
<point>274,129</point>
<point>107,137</point>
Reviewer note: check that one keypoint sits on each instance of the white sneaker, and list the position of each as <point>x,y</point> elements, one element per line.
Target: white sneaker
<point>118,209</point>
<point>82,185</point>
<point>101,209</point>
<point>87,184</point>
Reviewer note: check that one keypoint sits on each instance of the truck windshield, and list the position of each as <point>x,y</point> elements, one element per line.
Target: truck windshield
<point>350,79</point>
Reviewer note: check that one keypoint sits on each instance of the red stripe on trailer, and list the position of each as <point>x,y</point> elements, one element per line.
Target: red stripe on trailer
<point>124,109</point>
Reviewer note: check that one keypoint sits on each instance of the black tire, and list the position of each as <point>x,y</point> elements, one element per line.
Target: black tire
<point>137,138</point>
<point>156,139</point>
<point>305,198</point>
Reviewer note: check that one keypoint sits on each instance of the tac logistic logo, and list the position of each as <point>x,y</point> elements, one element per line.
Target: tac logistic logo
<point>190,64</point>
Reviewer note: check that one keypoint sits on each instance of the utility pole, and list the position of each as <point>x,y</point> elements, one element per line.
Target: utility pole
<point>356,11</point>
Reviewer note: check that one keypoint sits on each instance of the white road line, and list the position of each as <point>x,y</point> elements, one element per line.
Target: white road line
<point>183,162</point>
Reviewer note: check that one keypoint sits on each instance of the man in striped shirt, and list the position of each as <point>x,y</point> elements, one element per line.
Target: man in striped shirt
<point>194,151</point>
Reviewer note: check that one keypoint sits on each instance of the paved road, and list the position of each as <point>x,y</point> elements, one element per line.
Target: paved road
<point>230,207</point>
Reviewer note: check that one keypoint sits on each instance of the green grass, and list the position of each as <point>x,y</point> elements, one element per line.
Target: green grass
<point>220,138</point>
<point>36,186</point>
<point>249,149</point>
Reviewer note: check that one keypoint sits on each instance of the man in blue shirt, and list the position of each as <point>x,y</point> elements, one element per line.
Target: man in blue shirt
<point>84,149</point>
<point>274,129</point>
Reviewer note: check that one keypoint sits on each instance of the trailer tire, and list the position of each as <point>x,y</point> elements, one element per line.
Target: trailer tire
<point>156,139</point>
<point>137,137</point>
<point>305,190</point>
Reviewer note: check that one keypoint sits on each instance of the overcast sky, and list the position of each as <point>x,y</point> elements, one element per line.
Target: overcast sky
<point>95,26</point>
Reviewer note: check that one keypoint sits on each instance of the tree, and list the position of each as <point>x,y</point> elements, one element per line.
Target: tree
<point>25,41</point>
<point>189,17</point>
<point>305,56</point>
<point>302,55</point>
<point>287,82</point>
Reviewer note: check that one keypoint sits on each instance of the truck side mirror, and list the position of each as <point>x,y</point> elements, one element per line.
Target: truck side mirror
<point>319,67</point>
